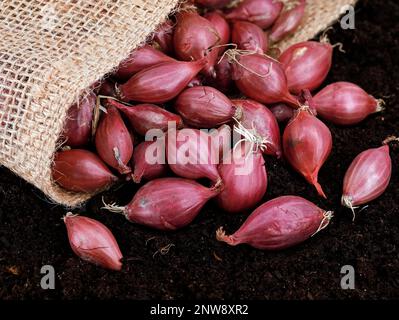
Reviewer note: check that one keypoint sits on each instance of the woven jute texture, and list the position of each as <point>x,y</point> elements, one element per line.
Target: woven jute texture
<point>53,50</point>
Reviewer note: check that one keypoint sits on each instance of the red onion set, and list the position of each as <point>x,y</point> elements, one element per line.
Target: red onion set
<point>245,179</point>
<point>163,37</point>
<point>263,13</point>
<point>81,170</point>
<point>195,115</point>
<point>368,176</point>
<point>148,162</point>
<point>142,58</point>
<point>92,241</point>
<point>306,65</point>
<point>307,143</point>
<point>77,129</point>
<point>249,36</point>
<point>206,107</point>
<point>260,77</point>
<point>191,155</point>
<point>279,223</point>
<point>113,141</point>
<point>261,120</point>
<point>288,21</point>
<point>344,103</point>
<point>194,38</point>
<point>166,203</point>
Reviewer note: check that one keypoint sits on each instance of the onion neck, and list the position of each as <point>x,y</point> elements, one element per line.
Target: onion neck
<point>221,236</point>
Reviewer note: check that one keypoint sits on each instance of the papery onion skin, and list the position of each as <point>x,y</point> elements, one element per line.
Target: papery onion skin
<point>168,203</point>
<point>262,79</point>
<point>77,129</point>
<point>256,116</point>
<point>367,177</point>
<point>306,65</point>
<point>140,59</point>
<point>92,241</point>
<point>261,12</point>
<point>163,37</point>
<point>344,103</point>
<point>80,170</point>
<point>307,143</point>
<point>205,107</point>
<point>244,180</point>
<point>113,141</point>
<point>288,22</point>
<point>160,83</point>
<point>249,36</point>
<point>145,117</point>
<point>142,168</point>
<point>193,157</point>
<point>282,112</point>
<point>279,224</point>
<point>194,38</point>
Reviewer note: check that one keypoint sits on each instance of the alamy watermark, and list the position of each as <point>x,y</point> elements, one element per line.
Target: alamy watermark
<point>347,21</point>
<point>48,279</point>
<point>348,277</point>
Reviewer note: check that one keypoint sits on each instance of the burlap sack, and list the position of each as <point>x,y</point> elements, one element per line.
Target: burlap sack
<point>52,50</point>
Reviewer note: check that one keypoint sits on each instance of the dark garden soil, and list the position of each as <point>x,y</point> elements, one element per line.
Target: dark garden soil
<point>32,233</point>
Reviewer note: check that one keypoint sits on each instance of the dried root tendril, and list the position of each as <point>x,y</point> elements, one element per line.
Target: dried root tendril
<point>340,46</point>
<point>257,142</point>
<point>380,105</point>
<point>117,156</point>
<point>327,216</point>
<point>324,39</point>
<point>112,207</point>
<point>125,169</point>
<point>221,235</point>
<point>149,239</point>
<point>235,47</point>
<point>390,139</point>
<point>63,147</point>
<point>238,113</point>
<point>347,202</point>
<point>118,92</point>
<point>69,215</point>
<point>305,107</point>
<point>217,257</point>
<point>222,46</point>
<point>218,186</point>
<point>164,250</point>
